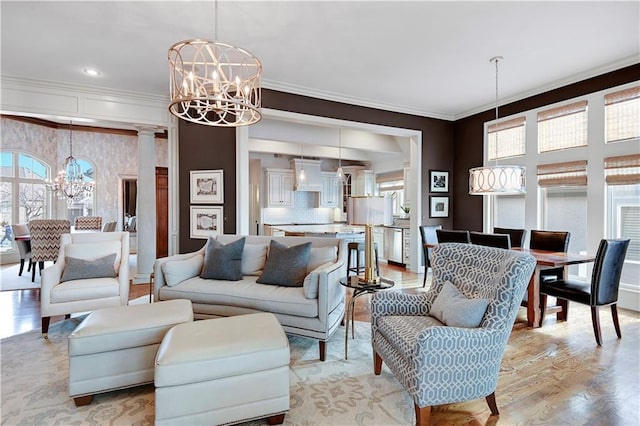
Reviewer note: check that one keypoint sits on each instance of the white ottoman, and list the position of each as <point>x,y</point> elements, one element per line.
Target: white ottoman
<point>224,370</point>
<point>116,347</point>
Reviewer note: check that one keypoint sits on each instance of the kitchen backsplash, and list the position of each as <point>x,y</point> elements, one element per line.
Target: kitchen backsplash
<point>304,211</point>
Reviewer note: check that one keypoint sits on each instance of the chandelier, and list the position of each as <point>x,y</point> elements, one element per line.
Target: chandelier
<point>497,179</point>
<point>70,183</point>
<point>214,83</point>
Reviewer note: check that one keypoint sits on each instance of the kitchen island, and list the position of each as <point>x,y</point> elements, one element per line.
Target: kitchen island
<point>333,230</point>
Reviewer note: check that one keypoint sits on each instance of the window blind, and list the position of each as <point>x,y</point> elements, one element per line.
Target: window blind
<point>506,139</point>
<point>390,181</point>
<point>572,173</point>
<point>622,170</point>
<point>562,127</point>
<point>622,114</point>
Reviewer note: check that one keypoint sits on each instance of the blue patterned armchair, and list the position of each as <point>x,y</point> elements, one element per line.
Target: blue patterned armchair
<point>443,364</point>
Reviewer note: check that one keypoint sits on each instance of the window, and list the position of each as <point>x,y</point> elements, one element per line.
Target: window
<point>391,184</point>
<point>23,195</point>
<point>562,127</point>
<point>622,115</point>
<point>509,211</point>
<point>506,139</point>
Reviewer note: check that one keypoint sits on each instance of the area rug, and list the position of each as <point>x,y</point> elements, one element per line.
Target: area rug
<point>11,281</point>
<point>334,392</point>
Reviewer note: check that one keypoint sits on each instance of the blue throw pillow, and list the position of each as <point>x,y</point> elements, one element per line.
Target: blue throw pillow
<point>286,266</point>
<point>453,309</point>
<point>223,262</point>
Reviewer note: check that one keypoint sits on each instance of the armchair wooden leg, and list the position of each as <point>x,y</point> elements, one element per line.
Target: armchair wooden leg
<point>491,401</point>
<point>323,350</point>
<point>278,419</point>
<point>616,323</point>
<point>377,363</point>
<point>83,400</point>
<point>45,327</point>
<point>423,415</point>
<point>595,319</point>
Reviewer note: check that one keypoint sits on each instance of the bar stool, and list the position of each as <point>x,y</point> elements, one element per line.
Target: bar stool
<point>359,247</point>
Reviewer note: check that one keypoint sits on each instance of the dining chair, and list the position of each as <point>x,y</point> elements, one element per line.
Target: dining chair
<point>45,241</point>
<point>602,290</point>
<point>502,241</point>
<point>109,226</point>
<point>87,223</point>
<point>516,235</point>
<point>428,234</point>
<point>24,245</point>
<point>452,236</point>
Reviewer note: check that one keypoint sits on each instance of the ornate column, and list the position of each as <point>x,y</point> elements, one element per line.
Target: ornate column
<point>146,204</point>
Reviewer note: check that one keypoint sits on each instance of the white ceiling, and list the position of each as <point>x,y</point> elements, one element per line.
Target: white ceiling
<point>425,58</point>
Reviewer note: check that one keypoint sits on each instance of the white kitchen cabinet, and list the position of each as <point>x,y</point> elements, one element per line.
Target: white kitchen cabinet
<point>363,183</point>
<point>331,194</point>
<point>406,246</point>
<point>279,188</point>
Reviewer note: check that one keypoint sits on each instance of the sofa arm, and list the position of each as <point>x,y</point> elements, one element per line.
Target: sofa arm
<point>49,278</point>
<point>158,280</point>
<point>330,292</point>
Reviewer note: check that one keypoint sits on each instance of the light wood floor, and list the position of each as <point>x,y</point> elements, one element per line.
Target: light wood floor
<point>550,376</point>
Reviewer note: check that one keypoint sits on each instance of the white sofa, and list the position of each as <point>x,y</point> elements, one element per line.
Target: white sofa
<point>314,310</point>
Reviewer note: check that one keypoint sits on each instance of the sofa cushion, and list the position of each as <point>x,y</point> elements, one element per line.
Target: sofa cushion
<point>452,308</point>
<point>223,262</point>
<point>81,269</point>
<point>176,271</point>
<point>320,256</point>
<point>286,266</point>
<point>91,288</point>
<point>253,258</point>
<point>90,251</point>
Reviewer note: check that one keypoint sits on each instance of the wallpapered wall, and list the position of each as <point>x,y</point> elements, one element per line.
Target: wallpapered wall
<point>112,155</point>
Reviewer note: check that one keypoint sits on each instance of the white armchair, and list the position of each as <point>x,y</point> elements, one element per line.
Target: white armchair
<point>83,279</point>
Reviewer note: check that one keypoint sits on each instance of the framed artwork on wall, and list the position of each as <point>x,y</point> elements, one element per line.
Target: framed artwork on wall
<point>207,186</point>
<point>438,181</point>
<point>439,206</point>
<point>206,221</point>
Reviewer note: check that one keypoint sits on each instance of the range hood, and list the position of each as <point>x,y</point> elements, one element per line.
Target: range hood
<point>313,175</point>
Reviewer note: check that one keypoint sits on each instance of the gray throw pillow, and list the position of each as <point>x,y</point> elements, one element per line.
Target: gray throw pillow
<point>453,309</point>
<point>82,269</point>
<point>223,262</point>
<point>286,266</point>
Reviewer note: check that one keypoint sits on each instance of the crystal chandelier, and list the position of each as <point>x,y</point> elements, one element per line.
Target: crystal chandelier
<point>70,183</point>
<point>213,83</point>
<point>497,179</point>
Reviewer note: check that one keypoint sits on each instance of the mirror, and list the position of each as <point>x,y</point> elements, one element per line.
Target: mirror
<point>129,197</point>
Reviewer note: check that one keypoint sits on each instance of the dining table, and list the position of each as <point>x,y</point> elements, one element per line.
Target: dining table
<point>544,260</point>
<point>547,260</point>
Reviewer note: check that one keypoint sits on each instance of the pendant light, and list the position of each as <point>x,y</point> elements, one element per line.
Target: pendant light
<point>302,175</point>
<point>214,83</point>
<point>339,172</point>
<point>497,179</point>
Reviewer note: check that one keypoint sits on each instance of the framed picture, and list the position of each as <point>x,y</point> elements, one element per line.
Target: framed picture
<point>439,181</point>
<point>206,221</point>
<point>439,207</point>
<point>207,186</point>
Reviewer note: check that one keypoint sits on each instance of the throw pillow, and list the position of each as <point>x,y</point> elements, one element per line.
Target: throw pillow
<point>286,266</point>
<point>176,271</point>
<point>90,251</point>
<point>320,256</point>
<point>82,269</point>
<point>253,258</point>
<point>452,308</point>
<point>223,262</point>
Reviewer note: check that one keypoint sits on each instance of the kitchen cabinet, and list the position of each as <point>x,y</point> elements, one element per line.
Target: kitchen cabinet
<point>279,188</point>
<point>331,194</point>
<point>406,246</point>
<point>363,183</point>
<point>378,238</point>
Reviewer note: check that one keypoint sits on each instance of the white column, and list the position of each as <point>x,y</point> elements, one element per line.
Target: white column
<point>146,204</point>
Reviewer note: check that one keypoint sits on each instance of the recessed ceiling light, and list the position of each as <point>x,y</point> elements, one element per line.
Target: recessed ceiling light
<point>92,72</point>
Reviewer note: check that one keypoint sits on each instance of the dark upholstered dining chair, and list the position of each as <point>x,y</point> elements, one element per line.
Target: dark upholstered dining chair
<point>452,236</point>
<point>515,235</point>
<point>45,241</point>
<point>428,234</point>
<point>502,241</point>
<point>601,291</point>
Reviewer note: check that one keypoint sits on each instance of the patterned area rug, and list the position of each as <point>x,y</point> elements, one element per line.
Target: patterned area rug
<point>336,392</point>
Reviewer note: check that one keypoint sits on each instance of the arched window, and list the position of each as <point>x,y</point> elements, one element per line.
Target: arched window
<point>23,195</point>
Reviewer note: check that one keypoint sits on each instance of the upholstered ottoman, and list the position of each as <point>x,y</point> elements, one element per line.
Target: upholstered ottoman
<point>224,370</point>
<point>116,347</point>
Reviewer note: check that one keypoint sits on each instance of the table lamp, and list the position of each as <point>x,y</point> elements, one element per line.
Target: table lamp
<point>369,212</point>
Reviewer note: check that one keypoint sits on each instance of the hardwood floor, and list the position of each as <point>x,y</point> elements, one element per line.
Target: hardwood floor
<point>552,375</point>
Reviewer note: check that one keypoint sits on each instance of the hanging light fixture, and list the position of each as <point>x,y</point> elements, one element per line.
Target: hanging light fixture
<point>302,176</point>
<point>339,172</point>
<point>214,83</point>
<point>70,183</point>
<point>497,179</point>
